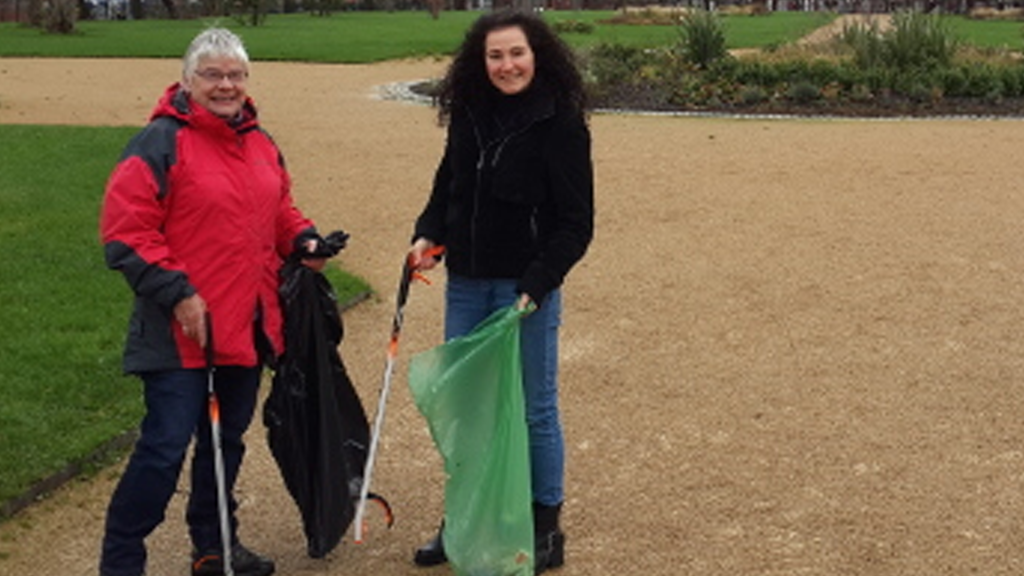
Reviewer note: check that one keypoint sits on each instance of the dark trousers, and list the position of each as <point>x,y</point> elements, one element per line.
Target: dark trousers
<point>177,410</point>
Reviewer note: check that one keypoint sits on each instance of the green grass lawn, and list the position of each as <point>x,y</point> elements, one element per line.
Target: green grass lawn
<point>740,31</point>
<point>63,394</point>
<point>989,33</point>
<point>358,37</point>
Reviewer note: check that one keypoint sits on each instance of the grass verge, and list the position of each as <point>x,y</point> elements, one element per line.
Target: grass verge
<point>64,402</point>
<point>361,37</point>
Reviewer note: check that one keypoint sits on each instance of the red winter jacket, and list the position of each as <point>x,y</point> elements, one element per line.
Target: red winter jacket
<point>198,205</point>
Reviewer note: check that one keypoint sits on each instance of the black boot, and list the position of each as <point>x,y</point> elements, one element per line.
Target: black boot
<point>244,562</point>
<point>431,553</point>
<point>549,540</point>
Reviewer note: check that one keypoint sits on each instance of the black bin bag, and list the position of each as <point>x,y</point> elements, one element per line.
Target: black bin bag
<point>316,427</point>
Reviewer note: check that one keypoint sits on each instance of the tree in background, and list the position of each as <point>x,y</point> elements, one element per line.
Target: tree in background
<point>323,7</point>
<point>53,16</point>
<point>172,9</point>
<point>252,12</point>
<point>435,8</point>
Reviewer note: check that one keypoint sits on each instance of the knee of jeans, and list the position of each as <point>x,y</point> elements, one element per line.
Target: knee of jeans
<point>165,455</point>
<point>165,446</point>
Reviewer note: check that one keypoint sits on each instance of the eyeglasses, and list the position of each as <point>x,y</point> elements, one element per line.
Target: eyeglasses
<point>216,76</point>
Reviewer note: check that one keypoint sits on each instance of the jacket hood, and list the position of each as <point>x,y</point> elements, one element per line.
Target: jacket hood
<point>177,103</point>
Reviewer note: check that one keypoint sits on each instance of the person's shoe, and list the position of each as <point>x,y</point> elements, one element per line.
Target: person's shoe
<point>244,561</point>
<point>431,553</point>
<point>549,551</point>
<point>549,540</point>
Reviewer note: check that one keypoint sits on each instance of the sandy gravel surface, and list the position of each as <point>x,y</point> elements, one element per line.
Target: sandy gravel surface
<point>794,348</point>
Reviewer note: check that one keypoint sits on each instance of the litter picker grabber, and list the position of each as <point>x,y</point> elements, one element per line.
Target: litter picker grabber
<point>218,452</point>
<point>409,274</point>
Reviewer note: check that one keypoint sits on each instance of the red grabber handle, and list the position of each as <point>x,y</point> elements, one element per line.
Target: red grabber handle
<point>408,275</point>
<point>434,252</point>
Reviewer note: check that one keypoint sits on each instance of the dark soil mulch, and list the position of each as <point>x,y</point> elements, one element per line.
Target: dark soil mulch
<point>651,99</point>
<point>893,106</point>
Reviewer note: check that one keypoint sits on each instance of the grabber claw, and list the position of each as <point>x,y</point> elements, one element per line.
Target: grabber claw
<point>389,516</point>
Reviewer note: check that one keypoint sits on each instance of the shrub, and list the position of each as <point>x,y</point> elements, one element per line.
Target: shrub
<point>757,72</point>
<point>982,82</point>
<point>986,13</point>
<point>1012,79</point>
<point>919,40</point>
<point>833,91</point>
<point>702,38</point>
<point>617,75</point>
<point>917,62</point>
<point>572,27</point>
<point>751,95</point>
<point>865,41</point>
<point>59,16</point>
<point>701,92</point>
<point>803,92</point>
<point>916,40</point>
<point>648,15</point>
<point>752,9</point>
<point>818,72</point>
<point>610,64</point>
<point>920,92</point>
<point>953,81</point>
<point>861,93</point>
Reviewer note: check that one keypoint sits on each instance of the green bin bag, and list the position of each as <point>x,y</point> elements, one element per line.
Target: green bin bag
<point>470,391</point>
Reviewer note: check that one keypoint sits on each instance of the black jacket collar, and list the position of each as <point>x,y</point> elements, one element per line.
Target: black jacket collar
<point>501,116</point>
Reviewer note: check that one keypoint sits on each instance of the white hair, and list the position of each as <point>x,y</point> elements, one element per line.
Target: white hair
<point>213,43</point>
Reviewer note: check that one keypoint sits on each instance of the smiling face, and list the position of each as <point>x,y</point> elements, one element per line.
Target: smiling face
<point>219,85</point>
<point>509,60</point>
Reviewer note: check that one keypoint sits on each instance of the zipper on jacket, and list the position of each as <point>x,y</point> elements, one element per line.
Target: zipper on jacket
<point>534,228</point>
<point>506,139</point>
<point>475,213</point>
<point>481,163</point>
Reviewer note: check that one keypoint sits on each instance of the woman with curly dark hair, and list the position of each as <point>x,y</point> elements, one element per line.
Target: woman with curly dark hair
<point>467,83</point>
<point>513,204</point>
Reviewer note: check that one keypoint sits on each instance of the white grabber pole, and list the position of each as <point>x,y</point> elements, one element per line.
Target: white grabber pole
<point>408,274</point>
<point>218,453</point>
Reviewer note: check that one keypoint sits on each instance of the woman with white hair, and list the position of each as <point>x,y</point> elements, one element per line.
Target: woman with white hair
<point>198,216</point>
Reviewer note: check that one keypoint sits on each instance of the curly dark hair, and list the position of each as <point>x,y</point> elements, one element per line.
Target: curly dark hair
<point>466,82</point>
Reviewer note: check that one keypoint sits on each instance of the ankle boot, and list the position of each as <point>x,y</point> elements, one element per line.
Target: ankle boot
<point>431,553</point>
<point>549,540</point>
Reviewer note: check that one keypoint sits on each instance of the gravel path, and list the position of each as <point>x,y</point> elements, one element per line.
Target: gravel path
<point>794,348</point>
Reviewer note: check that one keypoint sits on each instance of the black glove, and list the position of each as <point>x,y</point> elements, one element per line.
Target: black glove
<point>325,247</point>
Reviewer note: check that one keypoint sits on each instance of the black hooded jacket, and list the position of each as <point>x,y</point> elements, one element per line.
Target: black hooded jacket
<point>513,196</point>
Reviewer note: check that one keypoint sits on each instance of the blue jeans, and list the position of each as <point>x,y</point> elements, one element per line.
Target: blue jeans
<point>468,302</point>
<point>177,410</point>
